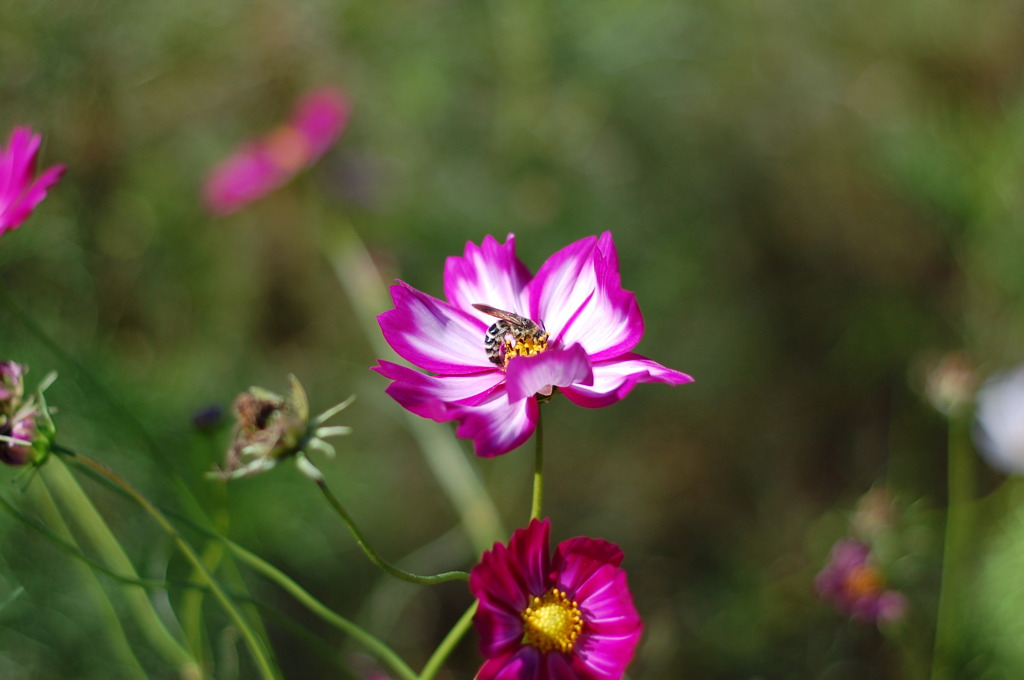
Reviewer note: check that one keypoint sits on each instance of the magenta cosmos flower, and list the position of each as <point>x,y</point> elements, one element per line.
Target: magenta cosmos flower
<point>856,587</point>
<point>565,617</point>
<point>263,165</point>
<point>20,189</point>
<point>504,337</point>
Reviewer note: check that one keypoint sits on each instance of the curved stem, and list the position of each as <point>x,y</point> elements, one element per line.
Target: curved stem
<point>381,650</point>
<point>256,647</point>
<point>538,468</point>
<point>69,546</point>
<point>63,484</point>
<point>112,627</point>
<point>272,573</point>
<point>448,644</point>
<point>393,570</point>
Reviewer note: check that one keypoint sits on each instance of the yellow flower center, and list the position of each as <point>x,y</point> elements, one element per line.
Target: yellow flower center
<point>526,346</point>
<point>552,622</point>
<point>864,580</point>
<point>287,148</point>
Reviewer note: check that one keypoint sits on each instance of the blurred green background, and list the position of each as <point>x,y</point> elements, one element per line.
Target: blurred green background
<point>812,201</point>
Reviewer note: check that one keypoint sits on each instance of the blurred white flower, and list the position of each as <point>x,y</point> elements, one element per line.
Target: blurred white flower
<point>999,421</point>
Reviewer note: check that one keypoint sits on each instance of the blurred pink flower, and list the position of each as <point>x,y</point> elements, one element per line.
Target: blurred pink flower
<point>506,338</point>
<point>569,616</point>
<point>262,165</point>
<point>20,190</point>
<point>857,588</point>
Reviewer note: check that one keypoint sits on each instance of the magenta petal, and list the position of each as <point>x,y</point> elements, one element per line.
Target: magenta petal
<point>434,335</point>
<point>529,548</point>
<point>432,397</point>
<point>524,664</point>
<point>243,177</point>
<point>19,194</point>
<point>488,274</point>
<point>497,426</point>
<point>527,376</point>
<point>615,378</point>
<point>605,657</point>
<point>607,603</point>
<point>578,558</point>
<point>320,117</point>
<point>559,666</point>
<point>22,207</point>
<point>579,296</point>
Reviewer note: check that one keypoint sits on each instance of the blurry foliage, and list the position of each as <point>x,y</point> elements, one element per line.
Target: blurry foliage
<point>806,198</point>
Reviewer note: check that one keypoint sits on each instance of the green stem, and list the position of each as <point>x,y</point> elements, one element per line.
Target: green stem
<point>538,469</point>
<point>69,546</point>
<point>447,645</point>
<point>256,647</point>
<point>393,570</point>
<point>381,650</point>
<point>111,622</point>
<point>959,525</point>
<point>58,478</point>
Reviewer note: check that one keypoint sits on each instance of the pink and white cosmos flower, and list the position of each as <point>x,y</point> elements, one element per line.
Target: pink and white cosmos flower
<point>267,163</point>
<point>20,189</point>
<point>569,616</point>
<point>487,373</point>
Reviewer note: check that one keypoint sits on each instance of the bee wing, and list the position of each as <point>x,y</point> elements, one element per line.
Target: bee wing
<point>514,319</point>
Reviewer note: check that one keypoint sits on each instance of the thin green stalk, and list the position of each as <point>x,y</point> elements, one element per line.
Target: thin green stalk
<point>538,469</point>
<point>71,548</point>
<point>378,648</point>
<point>447,645</point>
<point>75,552</point>
<point>192,601</point>
<point>59,479</point>
<point>391,569</point>
<point>256,647</point>
<point>111,622</point>
<point>367,292</point>
<point>375,646</point>
<point>956,548</point>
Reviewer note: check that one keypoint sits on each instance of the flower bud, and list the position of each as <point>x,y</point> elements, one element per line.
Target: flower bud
<point>18,436</point>
<point>12,386</point>
<point>270,427</point>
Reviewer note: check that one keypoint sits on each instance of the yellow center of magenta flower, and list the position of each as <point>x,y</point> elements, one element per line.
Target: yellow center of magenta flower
<point>526,346</point>
<point>511,336</point>
<point>864,580</point>
<point>552,622</point>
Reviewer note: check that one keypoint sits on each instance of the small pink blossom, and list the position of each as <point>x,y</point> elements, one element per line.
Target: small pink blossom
<point>569,616</point>
<point>20,189</point>
<point>265,164</point>
<point>505,338</point>
<point>856,587</point>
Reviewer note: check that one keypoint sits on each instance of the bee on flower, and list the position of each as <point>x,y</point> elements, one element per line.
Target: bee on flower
<point>505,339</point>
